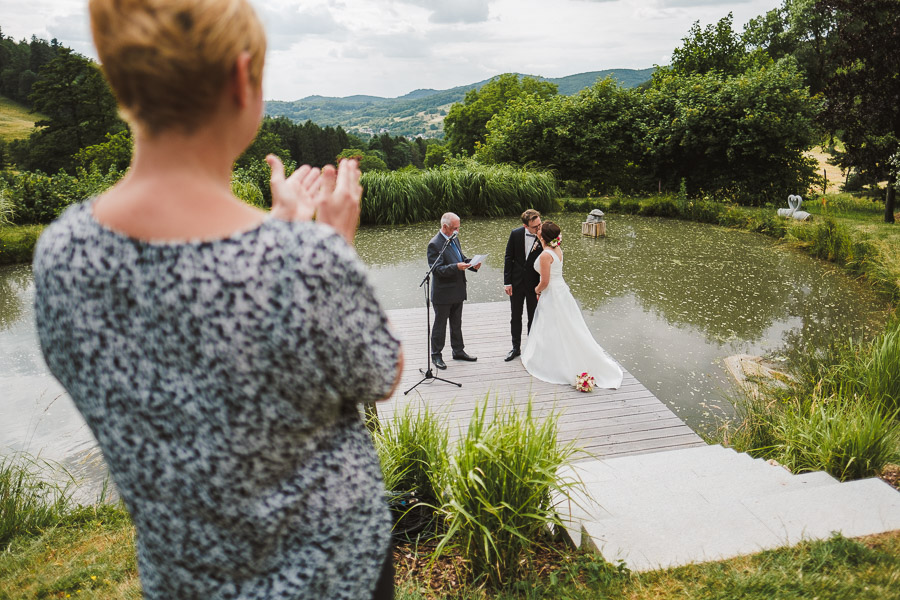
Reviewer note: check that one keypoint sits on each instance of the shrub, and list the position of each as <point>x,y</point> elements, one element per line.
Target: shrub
<point>497,489</point>
<point>659,207</point>
<point>36,197</point>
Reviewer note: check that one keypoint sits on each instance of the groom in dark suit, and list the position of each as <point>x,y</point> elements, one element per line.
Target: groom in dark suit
<point>448,292</point>
<point>519,276</point>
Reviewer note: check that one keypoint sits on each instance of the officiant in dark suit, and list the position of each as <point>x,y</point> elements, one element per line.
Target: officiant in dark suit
<point>519,276</point>
<point>448,292</point>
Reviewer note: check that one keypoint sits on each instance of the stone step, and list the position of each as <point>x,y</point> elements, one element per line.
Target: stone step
<point>709,503</point>
<point>674,464</point>
<point>672,536</point>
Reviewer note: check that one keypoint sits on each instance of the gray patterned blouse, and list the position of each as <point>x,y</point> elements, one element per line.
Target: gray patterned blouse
<point>221,380</point>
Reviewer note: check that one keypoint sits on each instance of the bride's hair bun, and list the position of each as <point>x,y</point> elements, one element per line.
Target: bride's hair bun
<point>549,231</point>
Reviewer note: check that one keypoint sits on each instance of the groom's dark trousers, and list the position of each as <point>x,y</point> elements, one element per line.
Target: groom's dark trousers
<point>448,292</point>
<point>518,271</point>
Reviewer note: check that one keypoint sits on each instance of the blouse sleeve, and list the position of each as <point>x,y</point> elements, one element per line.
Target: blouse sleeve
<point>354,346</point>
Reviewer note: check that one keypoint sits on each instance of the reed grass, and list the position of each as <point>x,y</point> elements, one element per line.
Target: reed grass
<point>464,187</point>
<point>497,488</point>
<point>30,500</point>
<point>412,447</point>
<point>841,435</point>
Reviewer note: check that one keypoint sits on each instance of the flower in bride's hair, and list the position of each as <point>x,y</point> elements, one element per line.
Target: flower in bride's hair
<point>584,382</point>
<point>556,241</point>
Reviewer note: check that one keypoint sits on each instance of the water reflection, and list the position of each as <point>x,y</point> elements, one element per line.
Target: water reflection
<point>668,299</point>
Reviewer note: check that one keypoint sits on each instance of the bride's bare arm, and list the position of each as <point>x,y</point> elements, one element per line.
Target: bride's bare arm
<point>544,262</point>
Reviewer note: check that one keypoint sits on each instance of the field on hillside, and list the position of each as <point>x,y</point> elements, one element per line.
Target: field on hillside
<point>15,120</point>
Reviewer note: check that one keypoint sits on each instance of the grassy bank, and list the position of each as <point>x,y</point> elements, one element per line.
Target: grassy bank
<point>16,121</point>
<point>17,243</point>
<point>91,556</point>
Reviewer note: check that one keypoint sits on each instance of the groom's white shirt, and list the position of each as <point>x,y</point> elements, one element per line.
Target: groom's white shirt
<point>530,239</point>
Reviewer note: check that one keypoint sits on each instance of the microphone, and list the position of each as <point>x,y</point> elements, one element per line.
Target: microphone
<point>455,234</point>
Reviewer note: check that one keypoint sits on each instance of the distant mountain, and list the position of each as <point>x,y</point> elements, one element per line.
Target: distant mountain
<point>420,112</point>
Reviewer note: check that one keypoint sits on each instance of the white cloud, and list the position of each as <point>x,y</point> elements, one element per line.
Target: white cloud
<point>391,47</point>
<point>457,11</point>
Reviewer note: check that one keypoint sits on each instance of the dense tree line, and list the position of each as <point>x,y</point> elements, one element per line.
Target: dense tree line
<point>732,114</point>
<point>20,63</point>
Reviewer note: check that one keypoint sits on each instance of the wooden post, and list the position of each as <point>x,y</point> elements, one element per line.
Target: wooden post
<point>594,229</point>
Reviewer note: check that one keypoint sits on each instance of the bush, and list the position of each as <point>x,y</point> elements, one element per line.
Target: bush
<point>497,488</point>
<point>659,206</point>
<point>38,198</point>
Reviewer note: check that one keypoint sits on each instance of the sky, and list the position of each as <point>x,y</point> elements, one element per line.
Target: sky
<point>391,47</point>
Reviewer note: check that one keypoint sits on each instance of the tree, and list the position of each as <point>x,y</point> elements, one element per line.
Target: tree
<point>595,135</point>
<point>436,155</point>
<point>466,124</point>
<point>863,93</point>
<point>800,30</point>
<point>80,110</point>
<point>743,136</point>
<point>716,48</point>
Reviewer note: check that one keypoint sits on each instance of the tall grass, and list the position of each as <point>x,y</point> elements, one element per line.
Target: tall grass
<point>841,413</point>
<point>837,434</point>
<point>412,447</point>
<point>497,488</point>
<point>29,500</point>
<point>466,188</point>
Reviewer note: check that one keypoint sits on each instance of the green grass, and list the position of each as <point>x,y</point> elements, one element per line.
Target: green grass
<point>497,488</point>
<point>16,122</point>
<point>29,500</point>
<point>17,243</point>
<point>89,554</point>
<point>834,569</point>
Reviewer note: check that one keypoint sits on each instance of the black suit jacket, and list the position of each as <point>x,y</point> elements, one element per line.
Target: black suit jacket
<point>517,270</point>
<point>449,283</point>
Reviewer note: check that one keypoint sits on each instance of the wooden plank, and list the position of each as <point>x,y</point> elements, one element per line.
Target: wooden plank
<point>629,420</point>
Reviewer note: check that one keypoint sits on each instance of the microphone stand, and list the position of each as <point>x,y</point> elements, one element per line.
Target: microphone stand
<point>428,374</point>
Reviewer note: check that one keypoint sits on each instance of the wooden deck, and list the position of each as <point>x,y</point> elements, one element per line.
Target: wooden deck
<point>604,423</point>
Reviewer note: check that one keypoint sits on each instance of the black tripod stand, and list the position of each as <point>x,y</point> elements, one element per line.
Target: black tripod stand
<point>428,373</point>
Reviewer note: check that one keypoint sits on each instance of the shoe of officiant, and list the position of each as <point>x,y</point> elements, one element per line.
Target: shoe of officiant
<point>463,356</point>
<point>438,361</point>
<point>512,354</point>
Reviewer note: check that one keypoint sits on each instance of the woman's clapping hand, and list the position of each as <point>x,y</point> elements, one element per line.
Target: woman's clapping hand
<point>332,195</point>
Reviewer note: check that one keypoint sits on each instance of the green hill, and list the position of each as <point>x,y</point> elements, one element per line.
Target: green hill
<point>15,120</point>
<point>420,112</point>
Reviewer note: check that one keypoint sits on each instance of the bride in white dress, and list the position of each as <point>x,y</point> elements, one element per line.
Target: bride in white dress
<point>560,346</point>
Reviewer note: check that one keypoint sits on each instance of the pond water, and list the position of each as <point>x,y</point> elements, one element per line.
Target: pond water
<point>668,299</point>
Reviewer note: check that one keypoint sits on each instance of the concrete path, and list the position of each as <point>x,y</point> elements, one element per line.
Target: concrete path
<point>707,503</point>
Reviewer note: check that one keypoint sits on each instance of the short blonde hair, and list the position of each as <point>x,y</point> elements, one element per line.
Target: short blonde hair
<point>168,61</point>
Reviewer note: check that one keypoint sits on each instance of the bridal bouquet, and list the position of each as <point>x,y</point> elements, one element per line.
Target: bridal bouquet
<point>584,383</point>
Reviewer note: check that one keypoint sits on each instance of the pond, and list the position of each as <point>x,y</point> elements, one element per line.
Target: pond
<point>668,299</point>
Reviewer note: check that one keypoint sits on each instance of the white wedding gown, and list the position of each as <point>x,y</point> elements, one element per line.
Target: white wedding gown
<point>560,346</point>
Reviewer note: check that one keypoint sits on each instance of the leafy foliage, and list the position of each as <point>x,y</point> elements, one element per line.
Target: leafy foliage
<point>596,135</point>
<point>80,110</point>
<point>863,91</point>
<point>743,135</point>
<point>466,123</point>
